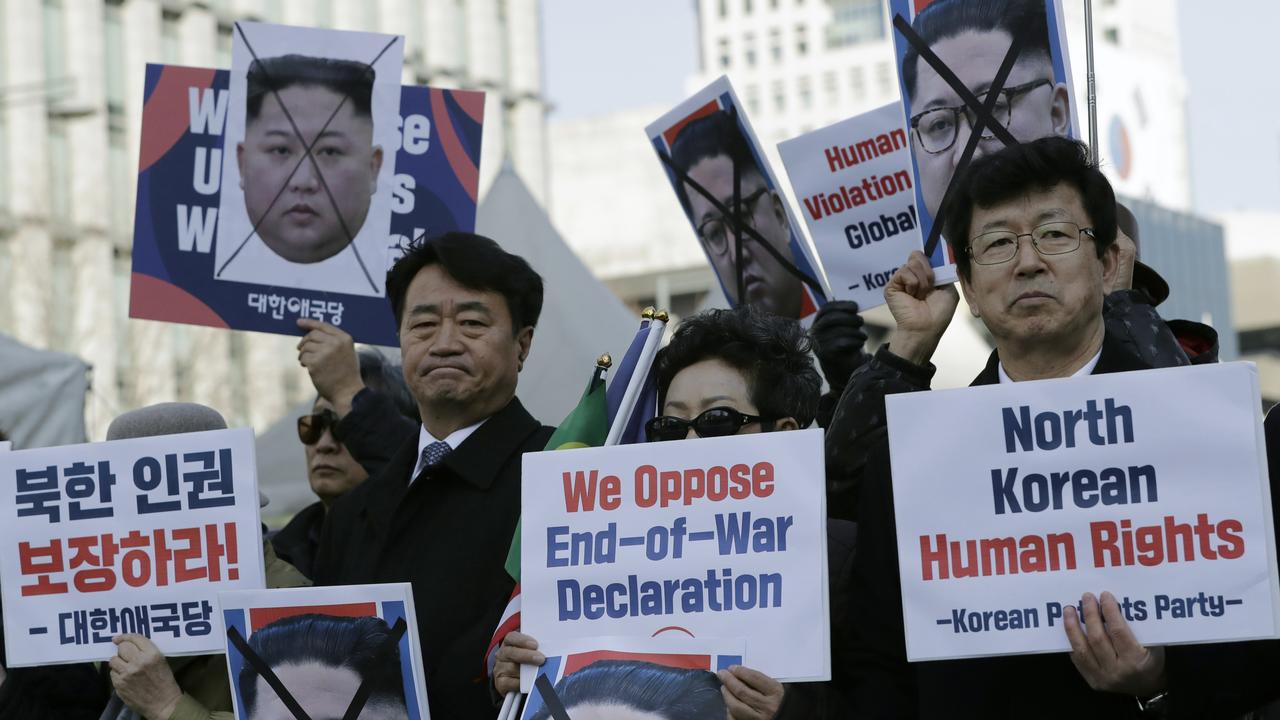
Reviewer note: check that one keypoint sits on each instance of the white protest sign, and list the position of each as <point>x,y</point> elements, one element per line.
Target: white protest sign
<point>854,183</point>
<point>130,536</point>
<point>712,537</point>
<point>269,630</point>
<point>1014,500</point>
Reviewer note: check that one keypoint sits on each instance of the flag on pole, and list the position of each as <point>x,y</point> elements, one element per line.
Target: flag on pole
<point>586,426</point>
<point>637,365</point>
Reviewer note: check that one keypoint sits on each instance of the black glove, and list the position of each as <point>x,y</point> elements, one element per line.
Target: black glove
<point>837,341</point>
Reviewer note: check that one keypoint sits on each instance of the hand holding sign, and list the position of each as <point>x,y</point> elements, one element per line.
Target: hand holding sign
<point>1107,654</point>
<point>142,678</point>
<point>329,355</point>
<point>922,312</point>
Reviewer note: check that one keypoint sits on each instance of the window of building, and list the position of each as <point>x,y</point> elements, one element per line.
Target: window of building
<point>802,40</point>
<point>749,49</point>
<point>1112,35</point>
<point>170,45</point>
<point>224,45</point>
<point>854,22</point>
<point>804,93</point>
<point>119,170</point>
<point>779,97</point>
<point>857,84</point>
<point>54,65</point>
<point>113,47</point>
<point>724,8</point>
<point>753,99</point>
<point>723,46</point>
<point>830,87</point>
<point>746,7</point>
<point>775,44</point>
<point>884,79</point>
<point>773,4</point>
<point>59,169</point>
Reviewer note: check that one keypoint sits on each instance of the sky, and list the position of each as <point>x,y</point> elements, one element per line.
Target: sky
<point>602,56</point>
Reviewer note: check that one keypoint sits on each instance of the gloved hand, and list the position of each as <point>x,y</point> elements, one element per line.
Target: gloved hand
<point>838,339</point>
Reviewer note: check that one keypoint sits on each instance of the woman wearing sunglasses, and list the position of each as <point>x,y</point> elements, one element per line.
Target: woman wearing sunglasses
<point>333,468</point>
<point>727,372</point>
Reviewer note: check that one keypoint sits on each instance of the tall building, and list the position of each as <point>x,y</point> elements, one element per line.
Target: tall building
<point>71,85</point>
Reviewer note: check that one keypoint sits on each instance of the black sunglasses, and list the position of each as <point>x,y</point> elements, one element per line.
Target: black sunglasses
<point>311,427</point>
<point>715,422</point>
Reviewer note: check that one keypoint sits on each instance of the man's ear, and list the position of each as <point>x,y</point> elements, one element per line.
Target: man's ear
<point>968,293</point>
<point>1110,266</point>
<point>524,341</point>
<point>375,167</point>
<point>786,423</point>
<point>779,209</point>
<point>1060,110</point>
<point>240,162</point>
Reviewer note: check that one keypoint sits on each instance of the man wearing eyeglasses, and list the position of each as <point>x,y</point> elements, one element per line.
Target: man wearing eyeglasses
<point>730,372</point>
<point>971,38</point>
<point>708,150</point>
<point>1033,231</point>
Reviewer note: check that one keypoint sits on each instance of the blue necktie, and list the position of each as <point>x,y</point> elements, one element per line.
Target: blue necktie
<point>433,454</point>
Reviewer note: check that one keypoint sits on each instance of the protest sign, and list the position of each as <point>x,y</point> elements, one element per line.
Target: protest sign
<point>663,666</point>
<point>435,143</point>
<point>129,536</point>
<point>325,650</point>
<point>1033,493</point>
<point>949,58</point>
<point>712,537</point>
<point>718,169</point>
<point>856,190</point>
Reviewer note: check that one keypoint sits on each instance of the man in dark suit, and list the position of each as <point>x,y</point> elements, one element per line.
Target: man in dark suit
<point>442,513</point>
<point>1033,228</point>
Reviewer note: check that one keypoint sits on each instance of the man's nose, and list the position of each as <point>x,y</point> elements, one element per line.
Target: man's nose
<point>446,340</point>
<point>306,177</point>
<point>326,443</point>
<point>1027,260</point>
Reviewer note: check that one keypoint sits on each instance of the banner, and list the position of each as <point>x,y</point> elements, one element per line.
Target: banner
<point>180,244</point>
<point>326,650</point>
<point>1033,493</point>
<point>706,140</point>
<point>129,536</point>
<point>942,100</point>
<point>857,193</point>
<point>712,538</point>
<point>651,668</point>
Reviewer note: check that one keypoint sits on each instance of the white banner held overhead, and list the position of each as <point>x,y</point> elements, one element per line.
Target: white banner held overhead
<point>1031,494</point>
<point>855,187</point>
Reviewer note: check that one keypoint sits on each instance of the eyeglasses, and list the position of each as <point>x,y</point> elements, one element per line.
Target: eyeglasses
<point>311,427</point>
<point>715,231</point>
<point>937,128</point>
<point>999,246</point>
<point>715,422</point>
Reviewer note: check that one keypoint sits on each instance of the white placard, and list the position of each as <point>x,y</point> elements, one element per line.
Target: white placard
<point>854,184</point>
<point>126,536</point>
<point>1150,485</point>
<point>712,537</point>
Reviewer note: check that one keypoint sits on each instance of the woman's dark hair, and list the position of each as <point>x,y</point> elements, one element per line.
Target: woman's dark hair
<point>385,377</point>
<point>475,262</point>
<point>672,693</point>
<point>361,644</point>
<point>771,351</point>
<point>1016,170</point>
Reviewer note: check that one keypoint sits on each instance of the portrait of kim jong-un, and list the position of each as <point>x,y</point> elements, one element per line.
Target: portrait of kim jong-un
<point>309,159</point>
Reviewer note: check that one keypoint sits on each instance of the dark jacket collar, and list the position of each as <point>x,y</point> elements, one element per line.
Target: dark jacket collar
<point>1114,358</point>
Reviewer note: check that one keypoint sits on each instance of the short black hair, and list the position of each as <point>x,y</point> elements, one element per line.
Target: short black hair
<point>344,77</point>
<point>1023,168</point>
<point>360,644</point>
<point>671,693</point>
<point>715,134</point>
<point>944,19</point>
<point>476,262</point>
<point>771,351</point>
<point>385,377</point>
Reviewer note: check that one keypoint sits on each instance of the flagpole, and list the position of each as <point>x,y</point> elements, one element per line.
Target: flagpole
<point>657,323</point>
<point>1091,88</point>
